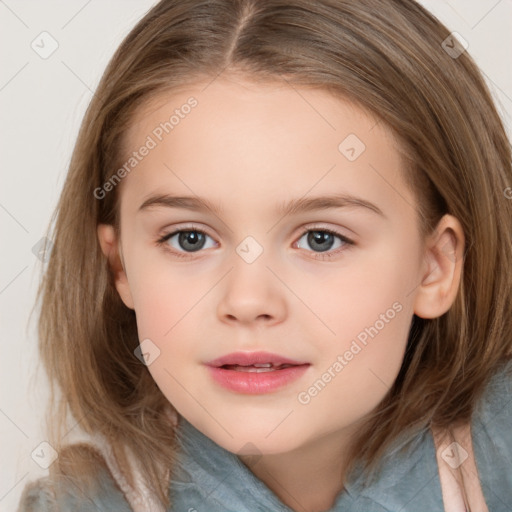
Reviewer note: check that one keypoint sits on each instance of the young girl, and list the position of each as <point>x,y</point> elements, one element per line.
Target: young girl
<point>281,269</point>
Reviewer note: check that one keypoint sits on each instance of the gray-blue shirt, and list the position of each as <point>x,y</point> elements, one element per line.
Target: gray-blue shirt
<point>211,479</point>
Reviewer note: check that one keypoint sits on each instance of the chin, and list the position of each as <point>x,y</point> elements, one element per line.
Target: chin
<point>256,446</point>
<point>249,438</point>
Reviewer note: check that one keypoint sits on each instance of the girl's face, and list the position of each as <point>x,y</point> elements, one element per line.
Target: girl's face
<point>266,275</point>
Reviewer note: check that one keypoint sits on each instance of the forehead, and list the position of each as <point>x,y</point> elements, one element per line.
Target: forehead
<point>219,96</point>
<point>272,140</point>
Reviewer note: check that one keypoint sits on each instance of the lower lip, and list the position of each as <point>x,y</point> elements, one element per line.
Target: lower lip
<point>255,383</point>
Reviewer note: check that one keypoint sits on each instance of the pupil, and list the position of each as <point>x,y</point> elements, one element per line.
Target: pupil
<point>321,237</point>
<point>192,239</point>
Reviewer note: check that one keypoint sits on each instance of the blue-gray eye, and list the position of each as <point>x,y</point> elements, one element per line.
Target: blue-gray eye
<point>322,240</point>
<point>191,240</point>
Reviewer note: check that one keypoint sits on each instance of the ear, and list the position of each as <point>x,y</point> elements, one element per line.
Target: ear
<point>442,269</point>
<point>110,248</point>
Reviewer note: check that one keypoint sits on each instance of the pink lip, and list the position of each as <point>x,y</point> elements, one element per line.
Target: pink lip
<point>255,382</point>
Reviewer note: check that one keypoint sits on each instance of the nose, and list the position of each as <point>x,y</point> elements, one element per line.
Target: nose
<point>251,294</point>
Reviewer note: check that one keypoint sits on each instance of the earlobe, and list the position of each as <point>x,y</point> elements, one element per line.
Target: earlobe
<point>110,248</point>
<point>442,271</point>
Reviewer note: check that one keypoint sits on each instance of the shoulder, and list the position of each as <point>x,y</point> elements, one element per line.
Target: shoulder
<point>38,496</point>
<point>94,490</point>
<point>492,437</point>
<point>409,473</point>
<point>493,413</point>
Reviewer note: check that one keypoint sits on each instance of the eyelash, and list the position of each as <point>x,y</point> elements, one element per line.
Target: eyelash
<point>319,256</point>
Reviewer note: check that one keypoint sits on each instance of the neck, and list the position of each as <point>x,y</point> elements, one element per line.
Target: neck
<point>309,478</point>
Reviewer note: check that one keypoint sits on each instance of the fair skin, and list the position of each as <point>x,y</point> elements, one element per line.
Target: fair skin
<point>249,148</point>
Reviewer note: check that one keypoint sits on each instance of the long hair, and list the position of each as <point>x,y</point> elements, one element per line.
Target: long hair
<point>390,58</point>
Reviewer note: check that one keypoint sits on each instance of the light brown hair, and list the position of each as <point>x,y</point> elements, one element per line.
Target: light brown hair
<point>387,57</point>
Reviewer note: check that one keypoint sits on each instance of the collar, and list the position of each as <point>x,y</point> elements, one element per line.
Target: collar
<point>407,476</point>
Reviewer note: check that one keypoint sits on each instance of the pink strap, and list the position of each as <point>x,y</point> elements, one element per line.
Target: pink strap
<point>460,483</point>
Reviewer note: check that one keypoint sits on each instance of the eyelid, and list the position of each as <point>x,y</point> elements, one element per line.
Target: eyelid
<point>186,227</point>
<point>318,226</point>
<point>325,226</point>
<point>302,231</point>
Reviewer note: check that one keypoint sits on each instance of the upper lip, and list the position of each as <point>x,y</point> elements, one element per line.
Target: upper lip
<point>249,358</point>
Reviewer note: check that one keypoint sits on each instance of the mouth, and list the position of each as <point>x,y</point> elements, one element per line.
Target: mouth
<point>256,368</point>
<point>256,372</point>
<point>264,360</point>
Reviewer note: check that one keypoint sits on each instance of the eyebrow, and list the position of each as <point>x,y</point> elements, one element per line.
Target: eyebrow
<point>292,207</point>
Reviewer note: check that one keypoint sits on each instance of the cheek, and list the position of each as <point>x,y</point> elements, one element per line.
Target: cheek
<point>357,371</point>
<point>369,311</point>
<point>354,297</point>
<point>163,294</point>
<point>168,305</point>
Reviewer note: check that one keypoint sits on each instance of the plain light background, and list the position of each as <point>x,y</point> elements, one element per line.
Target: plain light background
<point>42,102</point>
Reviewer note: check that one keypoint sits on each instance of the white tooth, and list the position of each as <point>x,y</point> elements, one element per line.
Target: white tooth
<point>252,369</point>
<point>262,365</point>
